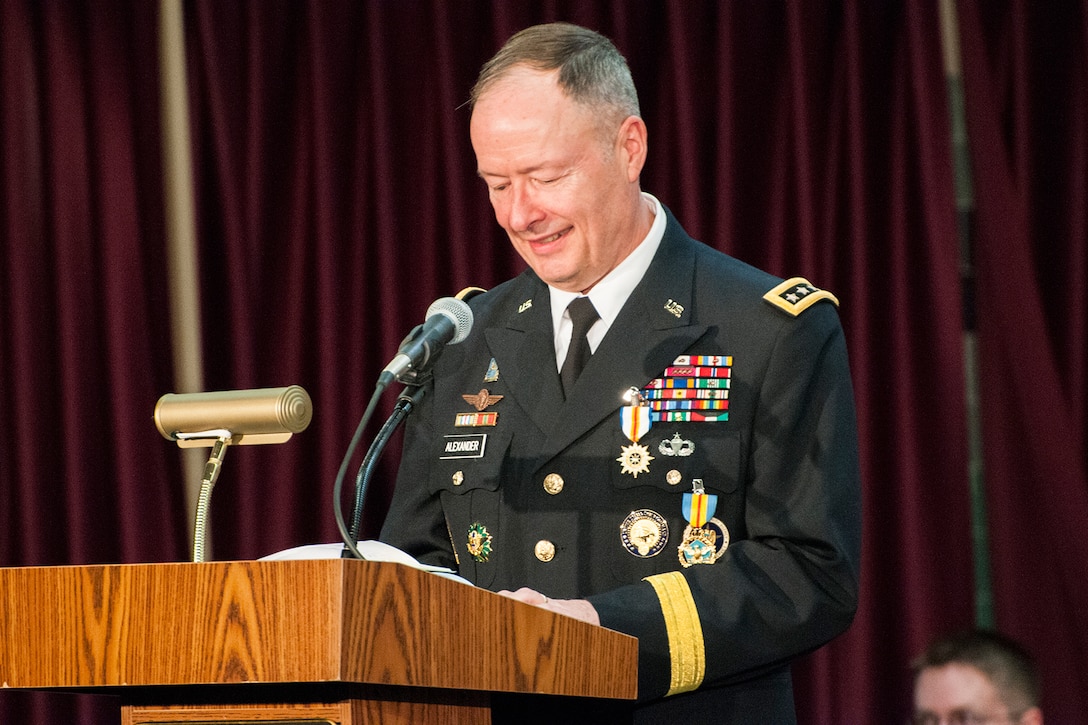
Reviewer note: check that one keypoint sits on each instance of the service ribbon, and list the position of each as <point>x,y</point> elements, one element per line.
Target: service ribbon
<point>699,508</point>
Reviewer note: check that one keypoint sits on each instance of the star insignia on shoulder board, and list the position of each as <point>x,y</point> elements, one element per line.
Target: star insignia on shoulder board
<point>481,400</point>
<point>797,294</point>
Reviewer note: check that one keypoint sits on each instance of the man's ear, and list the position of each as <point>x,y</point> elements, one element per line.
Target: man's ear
<point>631,142</point>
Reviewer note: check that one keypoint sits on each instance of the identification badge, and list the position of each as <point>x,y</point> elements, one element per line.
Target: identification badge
<point>464,446</point>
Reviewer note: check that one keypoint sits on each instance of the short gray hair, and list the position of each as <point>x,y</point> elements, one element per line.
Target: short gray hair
<point>591,70</point>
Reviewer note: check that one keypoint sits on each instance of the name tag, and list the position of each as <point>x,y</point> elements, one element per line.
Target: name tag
<point>464,446</point>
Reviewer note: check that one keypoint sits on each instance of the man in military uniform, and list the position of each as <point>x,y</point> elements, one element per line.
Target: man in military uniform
<point>674,454</point>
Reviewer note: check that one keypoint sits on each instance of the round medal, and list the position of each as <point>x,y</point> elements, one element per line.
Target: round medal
<point>644,533</point>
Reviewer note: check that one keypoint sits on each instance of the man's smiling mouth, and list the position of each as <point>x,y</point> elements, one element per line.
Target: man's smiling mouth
<point>553,238</point>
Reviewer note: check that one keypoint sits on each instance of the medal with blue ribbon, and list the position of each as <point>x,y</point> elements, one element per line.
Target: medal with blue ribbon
<point>705,538</point>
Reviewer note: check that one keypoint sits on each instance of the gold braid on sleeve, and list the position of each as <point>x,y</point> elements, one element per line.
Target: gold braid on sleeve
<point>686,648</point>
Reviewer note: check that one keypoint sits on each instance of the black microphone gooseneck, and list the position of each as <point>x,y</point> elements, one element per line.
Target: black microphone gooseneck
<point>449,320</point>
<point>406,402</point>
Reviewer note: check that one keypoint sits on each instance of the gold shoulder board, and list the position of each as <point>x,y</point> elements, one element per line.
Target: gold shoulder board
<point>469,292</point>
<point>796,295</point>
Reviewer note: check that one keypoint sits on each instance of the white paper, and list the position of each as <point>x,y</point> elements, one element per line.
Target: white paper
<point>371,551</point>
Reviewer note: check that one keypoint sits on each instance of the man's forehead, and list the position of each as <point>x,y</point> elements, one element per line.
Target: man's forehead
<point>525,128</point>
<point>520,76</point>
<point>955,684</point>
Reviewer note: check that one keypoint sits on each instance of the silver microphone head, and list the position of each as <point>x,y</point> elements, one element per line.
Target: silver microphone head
<point>458,312</point>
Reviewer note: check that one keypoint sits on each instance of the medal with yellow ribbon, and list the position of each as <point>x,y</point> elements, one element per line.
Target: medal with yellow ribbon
<point>705,538</point>
<point>635,422</point>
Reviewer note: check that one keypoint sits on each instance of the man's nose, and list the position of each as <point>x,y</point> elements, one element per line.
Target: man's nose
<point>524,209</point>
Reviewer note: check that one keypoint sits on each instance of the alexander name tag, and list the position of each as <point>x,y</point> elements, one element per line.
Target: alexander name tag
<point>464,446</point>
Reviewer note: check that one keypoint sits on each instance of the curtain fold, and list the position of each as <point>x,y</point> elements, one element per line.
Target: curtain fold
<point>1026,85</point>
<point>84,338</point>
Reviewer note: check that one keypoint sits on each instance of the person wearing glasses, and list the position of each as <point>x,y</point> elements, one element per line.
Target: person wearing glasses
<point>976,677</point>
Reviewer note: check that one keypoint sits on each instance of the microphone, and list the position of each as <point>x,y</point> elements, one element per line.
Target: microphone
<point>449,320</point>
<point>263,415</point>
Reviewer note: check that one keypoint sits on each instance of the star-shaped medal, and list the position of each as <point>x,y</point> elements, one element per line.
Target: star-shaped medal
<point>635,459</point>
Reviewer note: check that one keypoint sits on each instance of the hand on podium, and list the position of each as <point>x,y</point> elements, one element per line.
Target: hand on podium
<point>578,608</point>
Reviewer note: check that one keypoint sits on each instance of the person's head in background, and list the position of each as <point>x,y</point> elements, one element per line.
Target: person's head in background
<point>973,678</point>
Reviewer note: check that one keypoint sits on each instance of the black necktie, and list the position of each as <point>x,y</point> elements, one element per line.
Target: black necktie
<point>583,314</point>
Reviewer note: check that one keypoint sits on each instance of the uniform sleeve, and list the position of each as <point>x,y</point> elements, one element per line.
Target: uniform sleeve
<point>791,584</point>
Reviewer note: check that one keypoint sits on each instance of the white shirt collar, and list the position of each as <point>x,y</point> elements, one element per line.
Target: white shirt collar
<point>610,294</point>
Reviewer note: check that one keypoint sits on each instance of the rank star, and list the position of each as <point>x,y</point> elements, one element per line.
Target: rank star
<point>635,459</point>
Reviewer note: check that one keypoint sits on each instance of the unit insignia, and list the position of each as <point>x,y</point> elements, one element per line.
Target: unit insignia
<point>479,542</point>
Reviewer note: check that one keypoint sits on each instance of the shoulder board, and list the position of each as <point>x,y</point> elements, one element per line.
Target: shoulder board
<point>469,292</point>
<point>796,295</point>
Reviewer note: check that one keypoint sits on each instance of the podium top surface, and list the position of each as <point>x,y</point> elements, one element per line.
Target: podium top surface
<point>319,621</point>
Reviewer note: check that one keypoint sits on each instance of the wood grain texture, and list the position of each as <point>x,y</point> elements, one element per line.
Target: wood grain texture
<point>350,705</point>
<point>293,621</point>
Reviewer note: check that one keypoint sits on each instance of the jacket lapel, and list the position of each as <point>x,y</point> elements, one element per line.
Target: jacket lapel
<point>524,343</point>
<point>653,327</point>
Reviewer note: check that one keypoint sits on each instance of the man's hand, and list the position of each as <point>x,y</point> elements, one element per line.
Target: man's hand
<point>577,608</point>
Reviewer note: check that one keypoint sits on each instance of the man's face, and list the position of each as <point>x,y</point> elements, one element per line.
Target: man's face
<point>565,191</point>
<point>957,693</point>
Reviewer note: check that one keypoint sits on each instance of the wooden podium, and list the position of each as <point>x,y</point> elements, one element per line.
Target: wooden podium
<point>323,641</point>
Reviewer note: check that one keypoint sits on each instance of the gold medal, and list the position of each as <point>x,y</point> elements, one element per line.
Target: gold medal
<point>703,544</point>
<point>644,533</point>
<point>634,459</point>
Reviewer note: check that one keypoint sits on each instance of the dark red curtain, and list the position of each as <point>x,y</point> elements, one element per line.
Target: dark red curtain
<point>337,197</point>
<point>1026,82</point>
<point>84,334</point>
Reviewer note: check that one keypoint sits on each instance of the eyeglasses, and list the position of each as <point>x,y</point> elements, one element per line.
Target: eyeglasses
<point>961,717</point>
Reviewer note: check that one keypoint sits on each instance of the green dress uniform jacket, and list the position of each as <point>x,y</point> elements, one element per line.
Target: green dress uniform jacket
<point>543,494</point>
